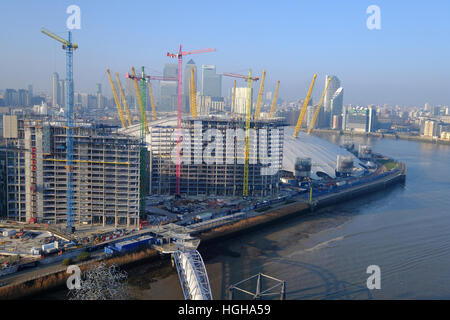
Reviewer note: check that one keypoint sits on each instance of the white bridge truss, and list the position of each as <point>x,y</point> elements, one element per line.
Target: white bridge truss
<point>192,274</point>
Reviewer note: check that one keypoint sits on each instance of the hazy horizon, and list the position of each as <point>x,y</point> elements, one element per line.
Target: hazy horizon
<point>404,63</point>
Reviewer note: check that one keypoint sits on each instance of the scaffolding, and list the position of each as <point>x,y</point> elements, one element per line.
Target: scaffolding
<point>105,177</point>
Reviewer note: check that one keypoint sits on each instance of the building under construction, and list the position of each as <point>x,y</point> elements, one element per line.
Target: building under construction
<point>213,156</point>
<point>105,173</point>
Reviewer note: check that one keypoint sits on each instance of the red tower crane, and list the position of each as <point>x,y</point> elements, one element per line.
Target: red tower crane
<point>180,55</point>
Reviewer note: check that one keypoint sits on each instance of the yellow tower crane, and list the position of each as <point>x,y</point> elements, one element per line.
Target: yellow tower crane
<point>260,95</point>
<point>116,99</point>
<point>152,101</point>
<point>141,106</point>
<point>247,132</point>
<point>305,106</point>
<point>124,100</point>
<point>192,93</point>
<point>274,101</point>
<point>316,112</point>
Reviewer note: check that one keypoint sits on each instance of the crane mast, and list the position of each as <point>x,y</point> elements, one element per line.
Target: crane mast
<point>144,125</point>
<point>192,91</point>
<point>247,132</point>
<point>316,112</point>
<point>260,95</point>
<point>152,101</point>
<point>117,101</point>
<point>305,106</point>
<point>69,47</point>
<point>274,101</point>
<point>179,56</point>
<point>124,100</point>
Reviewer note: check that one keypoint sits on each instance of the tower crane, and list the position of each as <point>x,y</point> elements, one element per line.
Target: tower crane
<point>179,56</point>
<point>305,106</point>
<point>69,47</point>
<point>274,101</point>
<point>144,124</point>
<point>319,105</point>
<point>124,100</point>
<point>247,132</point>
<point>260,95</point>
<point>248,113</point>
<point>145,79</point>
<point>117,101</point>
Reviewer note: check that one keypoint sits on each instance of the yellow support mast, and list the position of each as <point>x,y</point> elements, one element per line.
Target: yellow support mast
<point>116,99</point>
<point>233,99</point>
<point>247,132</point>
<point>260,95</point>
<point>141,106</point>
<point>305,106</point>
<point>316,112</point>
<point>274,101</point>
<point>152,101</point>
<point>192,92</point>
<point>124,100</point>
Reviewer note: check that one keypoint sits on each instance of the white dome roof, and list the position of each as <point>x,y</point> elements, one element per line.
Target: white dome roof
<point>323,154</point>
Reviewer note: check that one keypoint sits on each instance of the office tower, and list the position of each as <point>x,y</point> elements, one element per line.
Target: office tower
<point>98,92</point>
<point>187,76</point>
<point>356,119</point>
<point>211,82</point>
<point>55,90</point>
<point>372,122</point>
<point>169,89</point>
<point>22,97</point>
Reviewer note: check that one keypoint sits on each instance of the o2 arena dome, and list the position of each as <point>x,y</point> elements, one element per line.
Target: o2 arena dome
<point>323,154</point>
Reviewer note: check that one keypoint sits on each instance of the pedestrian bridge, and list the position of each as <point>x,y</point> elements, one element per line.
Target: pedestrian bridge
<point>192,274</point>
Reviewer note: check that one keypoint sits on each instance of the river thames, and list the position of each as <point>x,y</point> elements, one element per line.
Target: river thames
<point>405,230</point>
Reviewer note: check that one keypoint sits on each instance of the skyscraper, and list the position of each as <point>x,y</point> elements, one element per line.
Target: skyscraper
<point>62,93</point>
<point>169,89</point>
<point>211,82</point>
<point>187,75</point>
<point>55,89</point>
<point>98,92</point>
<point>336,104</point>
<point>333,86</point>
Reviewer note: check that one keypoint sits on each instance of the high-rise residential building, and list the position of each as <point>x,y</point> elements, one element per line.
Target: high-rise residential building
<point>55,89</point>
<point>336,103</point>
<point>105,179</point>
<point>333,86</point>
<point>169,89</point>
<point>11,98</point>
<point>187,76</point>
<point>22,97</point>
<point>211,82</point>
<point>240,104</point>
